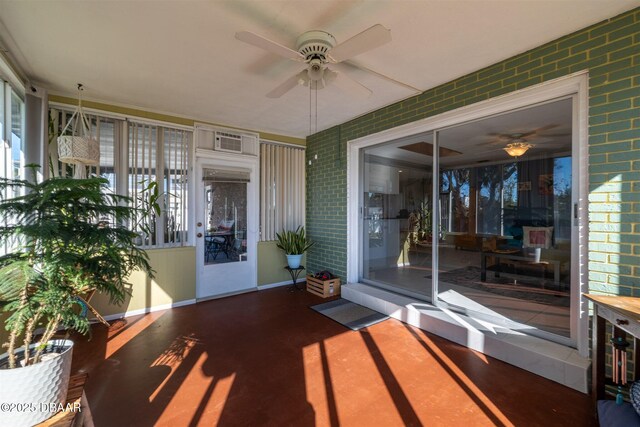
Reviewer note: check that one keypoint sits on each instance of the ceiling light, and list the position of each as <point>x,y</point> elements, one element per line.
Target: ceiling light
<point>516,149</point>
<point>315,70</point>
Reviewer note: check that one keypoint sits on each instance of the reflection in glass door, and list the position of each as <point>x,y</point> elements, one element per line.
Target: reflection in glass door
<point>225,196</point>
<point>506,256</point>
<point>502,211</point>
<point>397,216</point>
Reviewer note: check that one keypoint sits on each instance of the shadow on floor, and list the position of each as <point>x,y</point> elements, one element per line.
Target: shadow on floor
<point>265,358</point>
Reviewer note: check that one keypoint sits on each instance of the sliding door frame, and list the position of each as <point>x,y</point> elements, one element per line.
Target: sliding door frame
<point>574,85</point>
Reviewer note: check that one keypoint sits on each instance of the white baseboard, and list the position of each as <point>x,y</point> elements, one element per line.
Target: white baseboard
<point>148,310</point>
<point>276,285</point>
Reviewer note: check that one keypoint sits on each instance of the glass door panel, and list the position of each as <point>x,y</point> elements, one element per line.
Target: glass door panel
<point>226,227</point>
<point>505,217</point>
<point>225,213</point>
<point>397,216</point>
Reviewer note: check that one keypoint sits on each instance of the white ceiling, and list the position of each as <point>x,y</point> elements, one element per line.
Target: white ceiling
<point>181,57</point>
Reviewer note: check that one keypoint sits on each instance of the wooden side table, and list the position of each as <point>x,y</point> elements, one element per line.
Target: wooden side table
<point>624,314</point>
<point>75,398</point>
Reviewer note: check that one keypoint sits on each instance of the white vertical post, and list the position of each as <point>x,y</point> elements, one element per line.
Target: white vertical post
<point>435,217</point>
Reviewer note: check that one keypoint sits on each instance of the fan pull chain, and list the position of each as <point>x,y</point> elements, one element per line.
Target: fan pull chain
<point>310,108</point>
<point>619,352</point>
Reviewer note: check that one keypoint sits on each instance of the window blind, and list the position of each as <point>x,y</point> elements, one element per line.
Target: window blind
<point>282,196</point>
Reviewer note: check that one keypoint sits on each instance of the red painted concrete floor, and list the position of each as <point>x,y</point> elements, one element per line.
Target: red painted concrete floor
<point>266,359</point>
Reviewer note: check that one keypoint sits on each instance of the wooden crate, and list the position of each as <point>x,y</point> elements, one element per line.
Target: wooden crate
<point>323,288</point>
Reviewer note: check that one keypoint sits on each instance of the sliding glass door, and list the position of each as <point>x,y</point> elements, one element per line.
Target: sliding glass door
<point>500,215</point>
<point>397,202</point>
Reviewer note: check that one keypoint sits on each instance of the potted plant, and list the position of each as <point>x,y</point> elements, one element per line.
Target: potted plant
<point>67,239</point>
<point>294,244</point>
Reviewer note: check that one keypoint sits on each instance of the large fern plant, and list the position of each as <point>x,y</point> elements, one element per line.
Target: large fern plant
<point>67,238</point>
<point>293,242</point>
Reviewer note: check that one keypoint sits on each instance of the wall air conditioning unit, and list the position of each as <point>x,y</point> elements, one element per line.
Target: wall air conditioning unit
<point>236,143</point>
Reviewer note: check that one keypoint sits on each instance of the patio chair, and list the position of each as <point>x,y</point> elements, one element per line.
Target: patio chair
<point>217,244</point>
<point>213,246</point>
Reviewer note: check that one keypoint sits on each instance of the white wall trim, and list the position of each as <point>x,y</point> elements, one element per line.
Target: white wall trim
<point>148,310</point>
<point>119,116</point>
<point>576,85</point>
<point>277,285</point>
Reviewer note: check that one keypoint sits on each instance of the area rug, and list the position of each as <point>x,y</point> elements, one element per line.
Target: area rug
<point>349,314</point>
<point>527,289</point>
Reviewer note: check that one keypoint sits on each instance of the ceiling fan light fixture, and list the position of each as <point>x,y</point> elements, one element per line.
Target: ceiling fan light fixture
<point>315,70</point>
<point>516,149</point>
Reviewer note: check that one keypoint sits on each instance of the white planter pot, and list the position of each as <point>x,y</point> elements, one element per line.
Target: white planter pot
<point>31,394</point>
<point>294,260</point>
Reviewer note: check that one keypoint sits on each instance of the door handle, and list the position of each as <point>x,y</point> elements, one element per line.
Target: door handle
<point>199,235</point>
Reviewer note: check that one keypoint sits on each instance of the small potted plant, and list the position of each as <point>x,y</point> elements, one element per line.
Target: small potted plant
<point>294,244</point>
<point>66,239</point>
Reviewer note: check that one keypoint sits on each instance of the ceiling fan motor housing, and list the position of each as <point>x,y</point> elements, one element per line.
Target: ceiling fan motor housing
<point>315,45</point>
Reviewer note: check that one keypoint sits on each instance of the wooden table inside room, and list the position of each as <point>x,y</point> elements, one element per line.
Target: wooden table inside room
<point>624,314</point>
<point>516,256</point>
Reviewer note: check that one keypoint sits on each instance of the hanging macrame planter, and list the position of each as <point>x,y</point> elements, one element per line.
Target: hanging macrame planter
<point>79,148</point>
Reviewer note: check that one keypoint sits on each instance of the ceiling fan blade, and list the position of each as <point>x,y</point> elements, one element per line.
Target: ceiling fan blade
<point>368,39</point>
<point>537,131</point>
<point>346,65</point>
<point>287,85</point>
<point>347,84</point>
<point>493,142</point>
<point>268,45</point>
<point>554,135</point>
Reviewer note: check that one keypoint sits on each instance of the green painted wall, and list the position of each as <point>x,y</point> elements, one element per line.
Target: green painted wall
<point>610,51</point>
<point>271,262</point>
<point>175,280</point>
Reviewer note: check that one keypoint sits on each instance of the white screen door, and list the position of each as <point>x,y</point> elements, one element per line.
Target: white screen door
<point>226,226</point>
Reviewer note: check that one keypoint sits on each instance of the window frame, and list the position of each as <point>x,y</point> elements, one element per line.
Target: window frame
<point>121,166</point>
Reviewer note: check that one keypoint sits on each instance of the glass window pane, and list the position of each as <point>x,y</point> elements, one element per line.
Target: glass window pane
<point>225,196</point>
<point>176,156</point>
<point>142,179</point>
<point>17,128</point>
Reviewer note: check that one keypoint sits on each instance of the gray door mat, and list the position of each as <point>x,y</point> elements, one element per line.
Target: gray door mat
<point>347,313</point>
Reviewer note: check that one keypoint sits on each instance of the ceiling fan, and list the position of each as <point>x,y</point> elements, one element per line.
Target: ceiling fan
<point>318,49</point>
<point>522,137</point>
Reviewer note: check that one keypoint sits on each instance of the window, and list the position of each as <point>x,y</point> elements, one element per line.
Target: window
<point>11,139</point>
<point>158,165</point>
<point>282,195</point>
<point>147,162</point>
<point>454,199</point>
<point>17,135</point>
<point>103,129</point>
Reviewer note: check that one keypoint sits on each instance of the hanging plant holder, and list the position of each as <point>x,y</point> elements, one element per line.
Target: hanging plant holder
<point>80,148</point>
